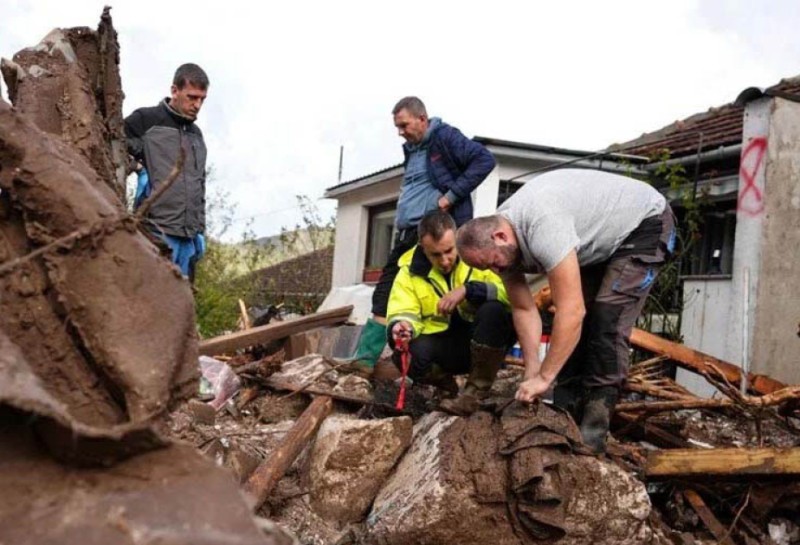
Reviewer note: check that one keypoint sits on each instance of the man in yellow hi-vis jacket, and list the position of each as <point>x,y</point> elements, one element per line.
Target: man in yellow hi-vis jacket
<point>456,319</point>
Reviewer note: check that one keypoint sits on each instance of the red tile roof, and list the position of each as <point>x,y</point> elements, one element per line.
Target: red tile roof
<point>721,126</point>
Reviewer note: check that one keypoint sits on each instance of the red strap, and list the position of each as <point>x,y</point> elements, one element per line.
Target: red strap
<point>405,363</point>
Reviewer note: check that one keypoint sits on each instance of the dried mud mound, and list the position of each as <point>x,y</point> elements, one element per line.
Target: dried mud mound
<point>69,86</point>
<point>97,331</point>
<point>106,322</point>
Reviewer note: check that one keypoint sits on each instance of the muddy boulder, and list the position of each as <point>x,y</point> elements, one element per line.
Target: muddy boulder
<point>350,460</point>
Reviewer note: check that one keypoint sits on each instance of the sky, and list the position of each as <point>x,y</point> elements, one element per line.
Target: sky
<point>291,82</point>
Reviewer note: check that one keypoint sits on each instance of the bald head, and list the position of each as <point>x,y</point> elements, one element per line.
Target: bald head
<point>476,234</point>
<point>488,242</point>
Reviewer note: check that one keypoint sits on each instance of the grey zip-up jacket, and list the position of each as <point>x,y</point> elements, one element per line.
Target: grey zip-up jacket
<point>154,136</point>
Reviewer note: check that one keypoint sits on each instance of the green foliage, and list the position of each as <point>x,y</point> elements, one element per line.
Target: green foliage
<point>221,276</point>
<point>666,296</point>
<point>225,274</point>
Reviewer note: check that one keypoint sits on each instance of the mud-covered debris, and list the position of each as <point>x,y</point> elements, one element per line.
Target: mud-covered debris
<point>350,460</point>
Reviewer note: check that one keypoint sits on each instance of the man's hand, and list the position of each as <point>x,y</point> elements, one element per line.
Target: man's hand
<point>402,331</point>
<point>531,388</point>
<point>444,204</point>
<point>450,301</point>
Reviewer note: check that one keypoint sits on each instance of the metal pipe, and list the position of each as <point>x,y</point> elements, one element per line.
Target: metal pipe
<point>745,329</point>
<point>710,155</point>
<point>595,155</point>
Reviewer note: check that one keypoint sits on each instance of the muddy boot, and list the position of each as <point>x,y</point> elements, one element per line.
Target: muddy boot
<point>370,346</point>
<point>567,396</point>
<point>442,380</point>
<point>486,362</point>
<point>596,419</point>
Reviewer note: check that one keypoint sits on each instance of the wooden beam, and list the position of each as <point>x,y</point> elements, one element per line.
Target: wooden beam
<point>673,405</point>
<point>270,332</point>
<point>338,396</point>
<point>699,362</point>
<point>651,432</point>
<point>263,480</point>
<point>714,526</point>
<point>723,462</point>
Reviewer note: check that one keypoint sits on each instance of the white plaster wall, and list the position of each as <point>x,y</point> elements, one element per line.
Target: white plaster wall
<point>352,221</point>
<point>747,245</point>
<point>712,319</point>
<point>704,327</point>
<point>775,344</point>
<point>484,198</point>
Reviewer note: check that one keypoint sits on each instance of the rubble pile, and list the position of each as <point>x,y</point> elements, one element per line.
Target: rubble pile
<point>508,474</point>
<point>108,435</point>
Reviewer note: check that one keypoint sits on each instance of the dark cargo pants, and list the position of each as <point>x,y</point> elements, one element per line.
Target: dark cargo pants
<point>614,294</point>
<point>450,349</point>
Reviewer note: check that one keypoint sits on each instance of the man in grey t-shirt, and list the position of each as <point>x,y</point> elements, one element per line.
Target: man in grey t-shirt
<point>601,239</point>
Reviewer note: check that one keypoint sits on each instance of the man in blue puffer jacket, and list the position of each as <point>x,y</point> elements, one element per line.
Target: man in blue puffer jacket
<point>442,168</point>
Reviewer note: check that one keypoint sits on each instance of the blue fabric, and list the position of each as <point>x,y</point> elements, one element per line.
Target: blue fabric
<point>143,188</point>
<point>417,194</point>
<point>457,165</point>
<point>200,245</point>
<point>183,249</point>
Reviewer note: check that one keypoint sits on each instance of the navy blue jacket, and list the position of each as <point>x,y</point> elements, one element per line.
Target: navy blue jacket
<point>457,165</point>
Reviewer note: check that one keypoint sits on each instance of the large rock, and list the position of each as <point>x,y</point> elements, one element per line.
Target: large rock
<point>608,506</point>
<point>429,498</point>
<point>350,460</point>
<point>432,496</point>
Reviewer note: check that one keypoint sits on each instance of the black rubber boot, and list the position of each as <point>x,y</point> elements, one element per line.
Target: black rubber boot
<point>568,397</point>
<point>596,419</point>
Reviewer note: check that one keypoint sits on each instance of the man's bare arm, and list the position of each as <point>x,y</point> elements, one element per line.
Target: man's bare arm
<point>565,284</point>
<point>527,322</point>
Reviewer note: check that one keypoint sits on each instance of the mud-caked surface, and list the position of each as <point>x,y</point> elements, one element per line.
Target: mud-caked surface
<point>107,322</point>
<point>170,495</point>
<point>69,86</point>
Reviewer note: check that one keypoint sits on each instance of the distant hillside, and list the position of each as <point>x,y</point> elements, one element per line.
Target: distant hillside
<point>297,242</point>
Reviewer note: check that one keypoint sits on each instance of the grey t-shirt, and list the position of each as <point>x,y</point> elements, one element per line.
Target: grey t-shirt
<point>589,211</point>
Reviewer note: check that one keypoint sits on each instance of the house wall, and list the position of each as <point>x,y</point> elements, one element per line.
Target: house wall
<point>352,222</point>
<point>713,315</point>
<point>484,198</point>
<point>776,346</point>
<point>704,327</point>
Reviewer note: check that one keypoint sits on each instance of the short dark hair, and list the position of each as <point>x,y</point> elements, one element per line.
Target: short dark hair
<point>476,234</point>
<point>413,104</point>
<point>435,223</point>
<point>190,73</point>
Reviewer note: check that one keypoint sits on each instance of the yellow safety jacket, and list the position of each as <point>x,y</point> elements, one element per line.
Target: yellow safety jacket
<point>419,286</point>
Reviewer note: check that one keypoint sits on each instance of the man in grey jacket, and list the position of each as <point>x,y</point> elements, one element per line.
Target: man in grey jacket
<point>155,136</point>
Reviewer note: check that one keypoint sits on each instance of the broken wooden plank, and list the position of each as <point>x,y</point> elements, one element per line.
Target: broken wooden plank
<point>653,390</point>
<point>784,395</point>
<point>650,432</point>
<point>699,362</point>
<point>245,319</point>
<point>673,405</point>
<point>263,480</point>
<point>277,330</point>
<point>338,396</point>
<point>730,462</point>
<point>714,526</point>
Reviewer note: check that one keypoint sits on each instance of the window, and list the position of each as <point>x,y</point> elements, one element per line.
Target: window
<point>506,190</point>
<point>712,253</point>
<point>380,235</point>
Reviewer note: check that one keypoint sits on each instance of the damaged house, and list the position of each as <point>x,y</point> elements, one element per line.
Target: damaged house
<point>741,160</point>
